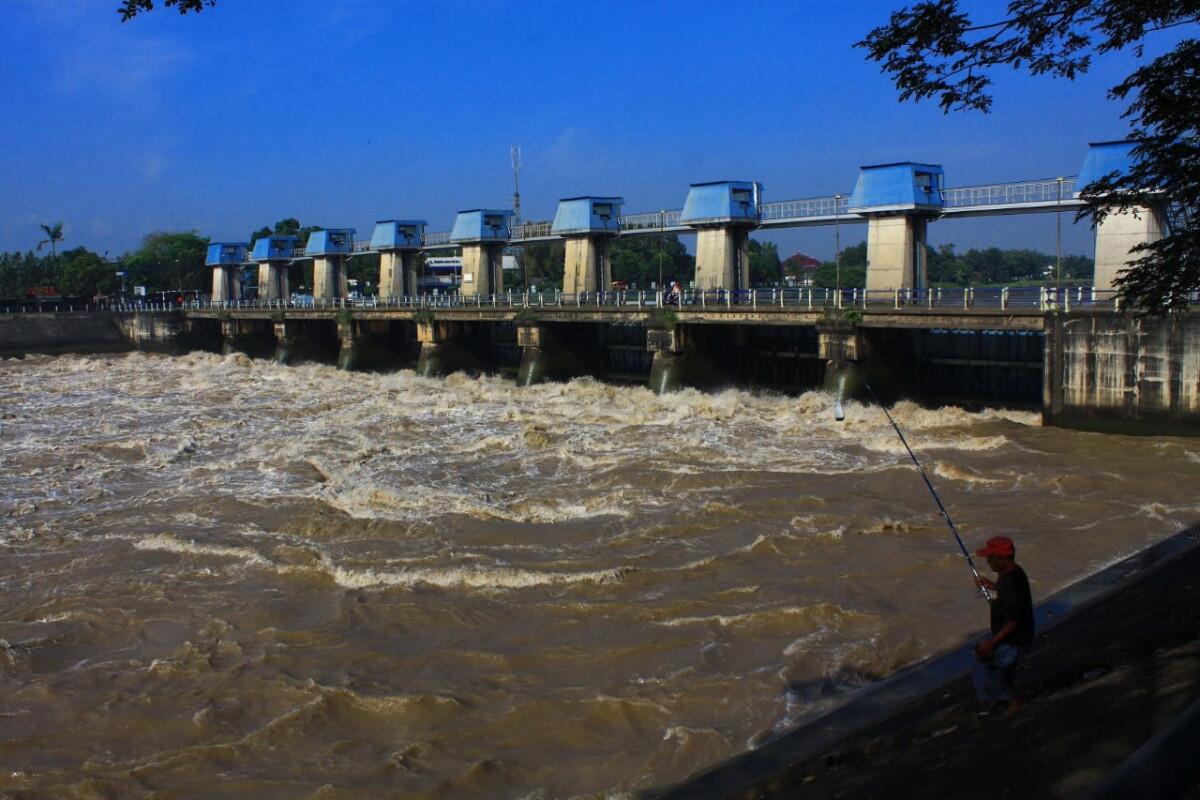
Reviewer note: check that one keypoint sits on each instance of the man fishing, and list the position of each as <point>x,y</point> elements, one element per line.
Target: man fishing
<point>1012,625</point>
<point>1009,596</point>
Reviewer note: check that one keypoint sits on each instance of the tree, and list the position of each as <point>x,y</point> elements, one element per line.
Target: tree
<point>934,49</point>
<point>765,267</point>
<point>86,274</point>
<point>544,263</point>
<point>128,9</point>
<point>170,260</point>
<point>638,260</point>
<point>261,233</point>
<point>853,271</point>
<point>289,226</point>
<point>54,235</point>
<point>22,272</point>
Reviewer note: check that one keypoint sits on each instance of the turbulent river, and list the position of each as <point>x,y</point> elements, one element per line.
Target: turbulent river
<point>225,578</point>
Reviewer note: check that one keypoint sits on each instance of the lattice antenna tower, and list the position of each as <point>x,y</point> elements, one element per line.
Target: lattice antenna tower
<point>516,168</point>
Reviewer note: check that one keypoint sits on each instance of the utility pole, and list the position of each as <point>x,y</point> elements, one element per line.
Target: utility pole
<point>515,153</point>
<point>516,168</point>
<point>837,242</point>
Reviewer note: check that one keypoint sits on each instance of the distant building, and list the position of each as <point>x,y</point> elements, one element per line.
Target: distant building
<point>800,269</point>
<point>442,273</point>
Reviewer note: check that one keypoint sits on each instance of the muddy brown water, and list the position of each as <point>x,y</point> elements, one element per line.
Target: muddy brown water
<point>222,577</point>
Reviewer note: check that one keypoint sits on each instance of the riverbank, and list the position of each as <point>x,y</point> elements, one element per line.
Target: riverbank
<point>1117,659</point>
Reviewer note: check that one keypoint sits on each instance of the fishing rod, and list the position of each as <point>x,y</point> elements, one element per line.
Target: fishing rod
<point>945,514</point>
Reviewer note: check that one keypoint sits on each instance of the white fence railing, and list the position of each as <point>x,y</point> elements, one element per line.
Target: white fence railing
<point>835,206</point>
<point>1005,194</point>
<point>1003,298</point>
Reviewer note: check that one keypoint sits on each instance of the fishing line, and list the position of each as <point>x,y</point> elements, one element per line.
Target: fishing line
<point>945,514</point>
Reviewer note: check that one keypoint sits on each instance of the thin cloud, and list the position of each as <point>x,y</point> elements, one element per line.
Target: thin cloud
<point>151,167</point>
<point>94,53</point>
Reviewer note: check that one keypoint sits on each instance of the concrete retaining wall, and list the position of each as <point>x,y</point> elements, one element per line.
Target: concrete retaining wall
<point>82,332</point>
<point>1124,373</point>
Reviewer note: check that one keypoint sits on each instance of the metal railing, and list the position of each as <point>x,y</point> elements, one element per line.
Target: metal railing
<point>833,206</point>
<point>1031,298</point>
<point>817,299</point>
<point>532,230</point>
<point>1007,194</point>
<point>653,220</point>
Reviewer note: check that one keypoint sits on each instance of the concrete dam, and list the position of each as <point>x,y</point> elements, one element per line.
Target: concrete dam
<point>1088,366</point>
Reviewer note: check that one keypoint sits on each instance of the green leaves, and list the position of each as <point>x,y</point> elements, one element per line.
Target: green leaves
<point>637,260</point>
<point>170,260</point>
<point>934,50</point>
<point>128,9</point>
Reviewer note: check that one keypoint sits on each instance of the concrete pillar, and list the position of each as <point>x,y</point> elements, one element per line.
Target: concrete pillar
<point>348,344</point>
<point>722,258</point>
<point>231,337</point>
<point>896,252</point>
<point>531,339</point>
<point>839,341</point>
<point>397,273</point>
<point>666,370</point>
<point>482,269</point>
<point>434,338</point>
<point>273,280</point>
<point>286,336</point>
<point>1117,235</point>
<point>329,277</point>
<point>587,268</point>
<point>227,284</point>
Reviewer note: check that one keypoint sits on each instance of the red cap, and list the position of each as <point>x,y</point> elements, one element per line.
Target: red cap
<point>998,546</point>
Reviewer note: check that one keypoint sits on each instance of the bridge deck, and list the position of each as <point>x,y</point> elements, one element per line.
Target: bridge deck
<point>996,199</point>
<point>1018,308</point>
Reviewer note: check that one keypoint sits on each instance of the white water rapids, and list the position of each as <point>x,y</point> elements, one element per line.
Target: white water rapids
<point>223,577</point>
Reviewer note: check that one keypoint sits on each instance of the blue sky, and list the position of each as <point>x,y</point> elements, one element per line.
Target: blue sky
<point>341,113</point>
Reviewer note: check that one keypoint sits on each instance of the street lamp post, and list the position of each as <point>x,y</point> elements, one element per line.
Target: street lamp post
<point>1058,236</point>
<point>837,242</point>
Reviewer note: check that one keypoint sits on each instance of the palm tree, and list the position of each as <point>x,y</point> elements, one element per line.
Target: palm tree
<point>54,235</point>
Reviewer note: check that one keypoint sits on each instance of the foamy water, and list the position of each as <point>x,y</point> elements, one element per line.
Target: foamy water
<point>223,577</point>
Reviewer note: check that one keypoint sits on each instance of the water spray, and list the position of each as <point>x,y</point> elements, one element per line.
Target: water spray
<point>945,514</point>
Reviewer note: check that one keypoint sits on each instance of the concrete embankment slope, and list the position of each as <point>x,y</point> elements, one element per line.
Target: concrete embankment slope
<point>1116,667</point>
<point>82,332</point>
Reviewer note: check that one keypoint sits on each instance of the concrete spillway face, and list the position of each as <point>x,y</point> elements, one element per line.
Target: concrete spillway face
<point>285,350</point>
<point>533,366</point>
<point>843,379</point>
<point>348,353</point>
<point>666,372</point>
<point>432,362</point>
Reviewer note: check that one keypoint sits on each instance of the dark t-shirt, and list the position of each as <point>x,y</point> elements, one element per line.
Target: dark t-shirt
<point>1014,603</point>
